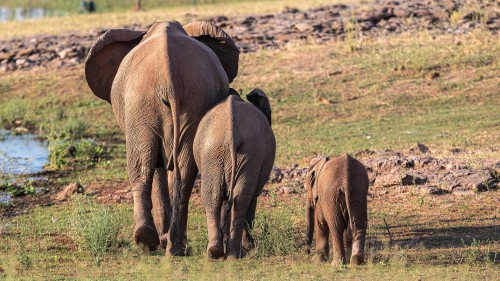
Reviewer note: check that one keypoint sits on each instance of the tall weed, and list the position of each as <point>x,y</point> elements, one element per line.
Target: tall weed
<point>96,228</point>
<point>275,234</point>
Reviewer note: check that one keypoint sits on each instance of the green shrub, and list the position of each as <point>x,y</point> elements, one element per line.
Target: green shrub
<point>95,227</point>
<point>74,129</point>
<point>275,234</point>
<point>83,152</point>
<point>12,110</point>
<point>16,190</point>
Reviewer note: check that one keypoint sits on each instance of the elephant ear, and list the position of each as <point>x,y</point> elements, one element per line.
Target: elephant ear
<point>233,92</point>
<point>105,57</point>
<point>259,99</point>
<point>315,170</point>
<point>220,43</point>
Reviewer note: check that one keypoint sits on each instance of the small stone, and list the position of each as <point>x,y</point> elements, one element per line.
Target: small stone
<point>463,191</point>
<point>432,190</point>
<point>432,75</point>
<point>62,54</point>
<point>412,180</point>
<point>420,148</point>
<point>302,27</point>
<point>69,190</point>
<point>21,130</point>
<point>287,190</point>
<point>5,56</point>
<point>276,175</point>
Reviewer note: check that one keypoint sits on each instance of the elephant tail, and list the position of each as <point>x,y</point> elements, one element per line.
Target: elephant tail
<point>173,165</point>
<point>356,190</point>
<point>233,146</point>
<point>348,184</point>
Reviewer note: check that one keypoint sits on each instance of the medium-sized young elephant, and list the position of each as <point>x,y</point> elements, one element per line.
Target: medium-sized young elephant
<point>337,191</point>
<point>234,149</point>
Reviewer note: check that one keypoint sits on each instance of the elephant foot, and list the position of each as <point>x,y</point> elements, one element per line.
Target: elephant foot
<point>178,250</point>
<point>163,241</point>
<point>232,255</point>
<point>247,245</point>
<point>146,238</point>
<point>320,256</point>
<point>357,259</point>
<point>215,252</point>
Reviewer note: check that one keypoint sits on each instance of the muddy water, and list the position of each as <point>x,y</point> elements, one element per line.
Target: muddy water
<point>22,154</point>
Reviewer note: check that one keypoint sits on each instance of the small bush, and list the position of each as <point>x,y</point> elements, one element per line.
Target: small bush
<point>15,190</point>
<point>275,234</point>
<point>479,251</point>
<point>95,227</point>
<point>74,129</point>
<point>85,152</point>
<point>12,110</point>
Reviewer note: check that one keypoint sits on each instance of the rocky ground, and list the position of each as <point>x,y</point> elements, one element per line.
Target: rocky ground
<point>292,26</point>
<point>416,170</point>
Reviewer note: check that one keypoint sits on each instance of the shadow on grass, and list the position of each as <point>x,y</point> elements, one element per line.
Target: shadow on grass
<point>451,237</point>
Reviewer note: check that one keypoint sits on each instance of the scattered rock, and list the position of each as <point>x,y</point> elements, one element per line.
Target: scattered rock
<point>463,191</point>
<point>419,148</point>
<point>432,190</point>
<point>276,175</point>
<point>408,179</point>
<point>21,130</point>
<point>69,190</point>
<point>287,190</point>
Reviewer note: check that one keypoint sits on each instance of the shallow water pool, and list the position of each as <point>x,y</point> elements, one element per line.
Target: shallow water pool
<point>22,154</point>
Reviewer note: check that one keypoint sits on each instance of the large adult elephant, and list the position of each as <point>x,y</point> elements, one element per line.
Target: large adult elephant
<point>160,83</point>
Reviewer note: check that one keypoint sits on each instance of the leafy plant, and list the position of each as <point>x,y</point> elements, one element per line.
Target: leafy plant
<point>74,129</point>
<point>275,234</point>
<point>68,146</point>
<point>16,190</point>
<point>12,110</point>
<point>95,227</point>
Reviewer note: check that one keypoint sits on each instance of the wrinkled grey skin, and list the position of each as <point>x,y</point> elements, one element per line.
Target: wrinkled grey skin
<point>337,190</point>
<point>160,84</point>
<point>234,149</point>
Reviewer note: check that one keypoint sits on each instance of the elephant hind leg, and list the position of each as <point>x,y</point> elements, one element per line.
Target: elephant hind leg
<point>238,219</point>
<point>212,193</point>
<point>337,225</point>
<point>347,242</point>
<point>358,256</point>
<point>161,204</point>
<point>243,196</point>
<point>322,232</point>
<point>248,242</point>
<point>142,152</point>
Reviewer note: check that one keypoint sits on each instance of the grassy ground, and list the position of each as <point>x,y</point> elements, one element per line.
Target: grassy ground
<point>45,243</point>
<point>388,92</point>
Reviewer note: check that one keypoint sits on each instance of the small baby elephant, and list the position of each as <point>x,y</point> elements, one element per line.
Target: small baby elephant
<point>337,191</point>
<point>234,150</point>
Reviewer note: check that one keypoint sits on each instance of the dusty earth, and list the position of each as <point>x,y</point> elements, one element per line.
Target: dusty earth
<point>291,26</point>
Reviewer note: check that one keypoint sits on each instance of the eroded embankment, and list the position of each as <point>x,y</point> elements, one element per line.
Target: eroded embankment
<point>416,170</point>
